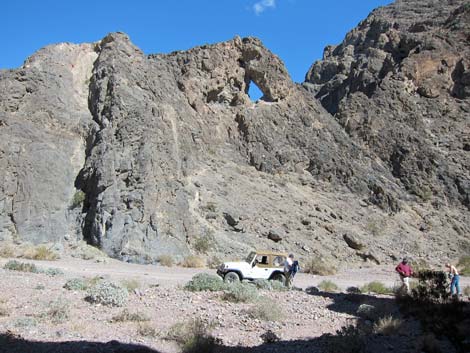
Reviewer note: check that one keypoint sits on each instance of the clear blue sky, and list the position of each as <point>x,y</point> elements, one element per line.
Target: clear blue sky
<point>295,30</point>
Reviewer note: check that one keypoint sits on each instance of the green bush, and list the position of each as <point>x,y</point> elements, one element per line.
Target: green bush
<point>320,266</point>
<point>464,265</point>
<point>349,339</point>
<point>377,288</point>
<point>204,243</point>
<point>14,265</point>
<point>40,252</point>
<point>52,271</point>
<point>145,329</point>
<point>328,286</point>
<point>77,199</point>
<point>240,293</point>
<point>126,315</point>
<point>265,284</point>
<point>266,310</point>
<point>76,284</point>
<point>107,293</point>
<point>205,281</point>
<point>193,337</point>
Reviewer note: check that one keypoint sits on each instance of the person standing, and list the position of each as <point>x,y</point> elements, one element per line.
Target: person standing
<point>288,264</point>
<point>405,272</point>
<point>455,279</point>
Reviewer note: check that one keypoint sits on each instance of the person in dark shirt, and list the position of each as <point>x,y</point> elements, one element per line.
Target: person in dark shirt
<point>405,272</point>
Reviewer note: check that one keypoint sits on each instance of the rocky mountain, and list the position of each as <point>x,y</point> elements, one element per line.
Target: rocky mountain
<point>146,155</point>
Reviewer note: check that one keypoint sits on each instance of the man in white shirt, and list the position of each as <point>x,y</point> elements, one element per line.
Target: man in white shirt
<point>288,270</point>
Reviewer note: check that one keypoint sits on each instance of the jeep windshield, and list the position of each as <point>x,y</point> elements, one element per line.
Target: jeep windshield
<point>250,257</point>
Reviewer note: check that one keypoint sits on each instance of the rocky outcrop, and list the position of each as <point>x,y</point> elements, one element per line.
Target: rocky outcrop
<point>167,153</point>
<point>398,85</point>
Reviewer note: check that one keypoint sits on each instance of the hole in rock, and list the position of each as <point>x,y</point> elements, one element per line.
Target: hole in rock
<point>254,92</point>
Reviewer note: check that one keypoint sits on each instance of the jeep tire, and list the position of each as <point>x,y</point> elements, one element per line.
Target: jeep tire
<point>279,277</point>
<point>231,277</point>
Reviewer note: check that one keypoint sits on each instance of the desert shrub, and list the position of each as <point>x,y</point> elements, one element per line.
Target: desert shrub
<point>40,252</point>
<point>40,287</point>
<point>319,266</point>
<point>328,286</point>
<point>85,251</point>
<point>24,322</point>
<point>432,304</point>
<point>77,199</point>
<point>205,281</point>
<point>193,337</point>
<point>353,290</point>
<point>14,265</point>
<point>58,311</point>
<point>76,284</point>
<point>7,250</point>
<point>107,293</point>
<point>165,260</point>
<point>349,339</point>
<point>464,265</point>
<point>52,271</point>
<point>265,310</point>
<point>194,261</point>
<point>376,287</point>
<point>214,262</point>
<point>204,243</point>
<point>278,286</point>
<point>240,293</point>
<point>126,315</point>
<point>263,284</point>
<point>387,325</point>
<point>130,284</point>
<point>145,329</point>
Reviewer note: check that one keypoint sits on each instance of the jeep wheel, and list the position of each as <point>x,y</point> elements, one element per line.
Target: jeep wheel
<point>231,277</point>
<point>279,277</point>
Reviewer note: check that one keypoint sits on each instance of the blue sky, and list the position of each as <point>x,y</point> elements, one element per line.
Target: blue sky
<point>295,30</point>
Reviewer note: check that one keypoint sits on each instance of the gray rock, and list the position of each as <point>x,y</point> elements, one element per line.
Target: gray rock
<point>353,241</point>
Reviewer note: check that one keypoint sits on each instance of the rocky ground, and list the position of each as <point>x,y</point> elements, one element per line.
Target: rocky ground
<point>51,318</point>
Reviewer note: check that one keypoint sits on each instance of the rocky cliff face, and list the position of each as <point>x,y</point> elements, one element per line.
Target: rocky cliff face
<point>173,157</point>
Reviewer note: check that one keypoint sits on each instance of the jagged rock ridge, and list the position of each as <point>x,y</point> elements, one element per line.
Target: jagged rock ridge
<point>169,149</point>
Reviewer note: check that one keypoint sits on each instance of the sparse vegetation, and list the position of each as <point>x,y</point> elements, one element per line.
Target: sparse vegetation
<point>204,243</point>
<point>193,337</point>
<point>266,310</point>
<point>377,288</point>
<point>194,261</point>
<point>320,266</point>
<point>240,293</point>
<point>78,199</point>
<point>130,284</point>
<point>145,329</point>
<point>464,265</point>
<point>40,252</point>
<point>14,265</point>
<point>165,260</point>
<point>126,315</point>
<point>264,284</point>
<point>76,284</point>
<point>328,286</point>
<point>85,251</point>
<point>107,293</point>
<point>387,325</point>
<point>349,339</point>
<point>7,250</point>
<point>58,311</point>
<point>205,281</point>
<point>52,271</point>
<point>24,322</point>
<point>213,262</point>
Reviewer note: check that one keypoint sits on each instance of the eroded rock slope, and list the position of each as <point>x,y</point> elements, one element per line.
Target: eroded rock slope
<point>173,157</point>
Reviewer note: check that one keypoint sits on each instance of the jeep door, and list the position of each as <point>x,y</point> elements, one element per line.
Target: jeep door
<point>262,268</point>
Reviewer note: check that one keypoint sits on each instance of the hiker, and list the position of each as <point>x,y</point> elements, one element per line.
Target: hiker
<point>405,272</point>
<point>288,265</point>
<point>455,279</point>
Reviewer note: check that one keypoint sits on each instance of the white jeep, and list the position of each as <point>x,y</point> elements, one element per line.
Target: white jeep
<point>258,265</point>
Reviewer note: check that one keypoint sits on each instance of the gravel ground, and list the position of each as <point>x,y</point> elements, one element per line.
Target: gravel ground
<point>37,308</point>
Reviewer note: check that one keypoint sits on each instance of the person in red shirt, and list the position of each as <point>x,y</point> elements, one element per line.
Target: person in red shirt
<point>405,272</point>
